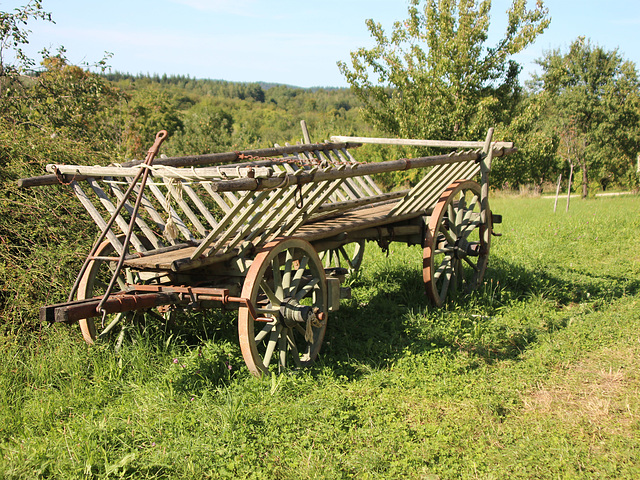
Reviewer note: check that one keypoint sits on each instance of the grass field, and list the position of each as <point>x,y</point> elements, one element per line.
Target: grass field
<point>536,375</point>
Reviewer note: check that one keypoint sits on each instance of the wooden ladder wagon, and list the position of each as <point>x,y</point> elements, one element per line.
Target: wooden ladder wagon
<point>246,230</point>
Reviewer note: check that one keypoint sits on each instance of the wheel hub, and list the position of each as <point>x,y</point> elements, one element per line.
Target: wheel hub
<point>462,249</point>
<point>292,313</point>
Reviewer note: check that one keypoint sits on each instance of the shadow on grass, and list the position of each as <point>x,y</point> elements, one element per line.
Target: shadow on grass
<point>390,316</point>
<point>508,313</point>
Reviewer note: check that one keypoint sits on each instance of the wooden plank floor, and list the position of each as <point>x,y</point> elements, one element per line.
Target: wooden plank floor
<point>180,260</point>
<point>352,221</point>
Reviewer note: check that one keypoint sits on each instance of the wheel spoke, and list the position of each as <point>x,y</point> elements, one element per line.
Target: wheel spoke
<point>458,273</point>
<point>444,266</point>
<point>304,291</point>
<point>275,301</point>
<point>117,318</point>
<point>445,285</point>
<point>452,218</point>
<point>474,201</point>
<point>286,278</point>
<point>271,346</point>
<point>451,239</point>
<point>298,275</point>
<point>294,348</point>
<point>268,310</point>
<point>345,255</point>
<point>462,203</point>
<point>469,228</point>
<point>300,330</point>
<point>471,264</point>
<point>282,351</point>
<point>264,332</point>
<point>277,277</point>
<point>460,209</point>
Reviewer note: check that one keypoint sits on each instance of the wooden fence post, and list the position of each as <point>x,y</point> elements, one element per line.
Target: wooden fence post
<point>569,187</point>
<point>555,205</point>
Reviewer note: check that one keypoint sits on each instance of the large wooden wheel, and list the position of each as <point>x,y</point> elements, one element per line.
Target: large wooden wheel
<point>347,256</point>
<point>457,242</point>
<point>94,283</point>
<point>287,287</point>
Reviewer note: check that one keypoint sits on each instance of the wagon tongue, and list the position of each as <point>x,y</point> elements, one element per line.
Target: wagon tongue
<point>71,312</point>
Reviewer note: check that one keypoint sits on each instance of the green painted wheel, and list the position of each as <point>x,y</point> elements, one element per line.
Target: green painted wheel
<point>347,256</point>
<point>457,243</point>
<point>287,288</point>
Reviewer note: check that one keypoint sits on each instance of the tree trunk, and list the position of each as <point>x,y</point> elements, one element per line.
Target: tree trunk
<point>585,180</point>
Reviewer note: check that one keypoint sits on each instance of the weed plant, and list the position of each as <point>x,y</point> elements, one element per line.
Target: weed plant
<point>535,375</point>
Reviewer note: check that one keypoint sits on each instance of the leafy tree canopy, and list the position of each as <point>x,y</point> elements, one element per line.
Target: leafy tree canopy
<point>594,98</point>
<point>434,77</point>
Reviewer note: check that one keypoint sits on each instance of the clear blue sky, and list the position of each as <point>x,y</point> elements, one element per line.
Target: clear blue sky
<point>296,42</point>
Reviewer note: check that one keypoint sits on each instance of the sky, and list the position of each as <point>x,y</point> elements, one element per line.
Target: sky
<point>294,42</point>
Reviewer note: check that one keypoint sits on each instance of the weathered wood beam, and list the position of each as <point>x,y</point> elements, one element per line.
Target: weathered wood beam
<point>419,143</point>
<point>196,160</point>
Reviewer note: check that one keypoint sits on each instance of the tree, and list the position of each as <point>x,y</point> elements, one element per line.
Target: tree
<point>14,34</point>
<point>434,77</point>
<point>207,128</point>
<point>68,100</point>
<point>595,97</point>
<point>149,110</point>
<point>536,160</point>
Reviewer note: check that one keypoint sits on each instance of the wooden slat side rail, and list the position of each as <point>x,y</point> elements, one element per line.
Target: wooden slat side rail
<point>322,193</point>
<point>349,187</point>
<point>196,160</point>
<point>367,178</point>
<point>216,197</point>
<point>312,195</point>
<point>428,190</point>
<point>111,208</point>
<point>172,187</point>
<point>202,208</point>
<point>257,221</point>
<point>361,184</point>
<point>160,171</point>
<point>153,239</point>
<point>280,217</point>
<point>152,213</point>
<point>161,198</point>
<point>227,222</point>
<point>95,215</point>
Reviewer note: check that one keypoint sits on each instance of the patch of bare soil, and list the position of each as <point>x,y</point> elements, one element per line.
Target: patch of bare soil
<point>602,390</point>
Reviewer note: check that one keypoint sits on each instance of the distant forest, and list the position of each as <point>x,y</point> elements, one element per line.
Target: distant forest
<point>213,115</point>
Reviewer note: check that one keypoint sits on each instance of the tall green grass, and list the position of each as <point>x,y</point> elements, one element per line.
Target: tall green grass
<point>535,375</point>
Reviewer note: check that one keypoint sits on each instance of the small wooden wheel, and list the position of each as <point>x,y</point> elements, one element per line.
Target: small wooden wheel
<point>457,242</point>
<point>287,287</point>
<point>343,258</point>
<point>93,283</point>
